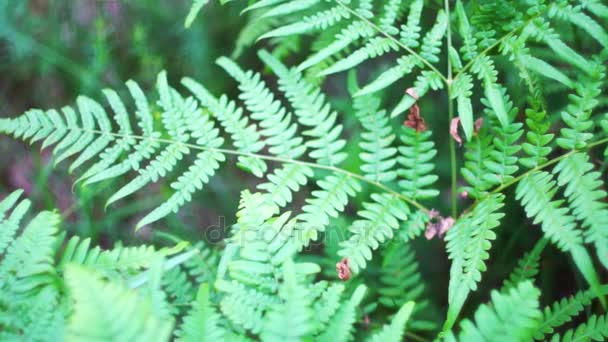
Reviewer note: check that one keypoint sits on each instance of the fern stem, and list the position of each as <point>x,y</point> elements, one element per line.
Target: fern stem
<point>266,157</point>
<point>394,40</point>
<point>452,143</point>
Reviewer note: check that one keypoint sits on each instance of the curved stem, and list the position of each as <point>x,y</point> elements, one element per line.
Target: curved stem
<point>394,40</point>
<point>453,173</point>
<point>265,157</point>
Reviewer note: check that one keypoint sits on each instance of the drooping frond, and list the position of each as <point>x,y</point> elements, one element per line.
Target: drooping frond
<point>468,243</point>
<point>586,198</point>
<point>511,316</point>
<point>536,192</point>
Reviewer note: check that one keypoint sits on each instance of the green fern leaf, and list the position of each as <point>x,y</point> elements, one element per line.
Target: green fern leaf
<point>595,329</point>
<point>415,157</point>
<point>510,317</point>
<point>117,313</point>
<point>394,331</point>
<point>379,219</point>
<point>202,323</point>
<point>340,327</point>
<point>468,243</point>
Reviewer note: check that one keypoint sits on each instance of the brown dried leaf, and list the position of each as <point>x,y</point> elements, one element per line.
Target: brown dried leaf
<point>344,272</point>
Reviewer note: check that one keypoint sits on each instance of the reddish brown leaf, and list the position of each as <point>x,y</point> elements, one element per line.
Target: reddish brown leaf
<point>477,125</point>
<point>344,272</point>
<point>414,120</point>
<point>454,130</point>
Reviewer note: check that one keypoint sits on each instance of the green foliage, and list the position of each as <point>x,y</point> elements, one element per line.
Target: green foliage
<point>526,79</point>
<point>510,317</point>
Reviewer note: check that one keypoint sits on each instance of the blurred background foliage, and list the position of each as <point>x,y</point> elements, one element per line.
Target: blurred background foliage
<point>53,50</point>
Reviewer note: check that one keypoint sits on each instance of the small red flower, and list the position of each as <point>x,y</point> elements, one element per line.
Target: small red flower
<point>344,272</point>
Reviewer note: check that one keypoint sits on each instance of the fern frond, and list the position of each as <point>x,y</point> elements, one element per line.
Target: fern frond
<point>468,243</point>
<point>327,202</point>
<point>312,111</point>
<point>502,161</point>
<point>318,21</point>
<point>28,261</point>
<point>181,118</point>
<point>244,135</point>
<point>9,223</point>
<point>126,260</point>
<point>510,317</point>
<point>326,304</point>
<point>394,331</point>
<point>596,328</point>
<point>415,157</point>
<point>477,152</point>
<point>340,327</point>
<point>378,220</point>
<point>586,198</point>
<point>410,32</point>
<point>202,322</point>
<point>527,267</point>
<point>378,154</point>
<point>561,312</point>
<point>400,279</point>
<point>275,123</point>
<point>577,115</point>
<point>290,320</point>
<point>536,146</point>
<point>109,311</point>
<point>536,192</point>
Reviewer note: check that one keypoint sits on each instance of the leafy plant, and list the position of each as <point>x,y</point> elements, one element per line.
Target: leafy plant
<point>503,61</point>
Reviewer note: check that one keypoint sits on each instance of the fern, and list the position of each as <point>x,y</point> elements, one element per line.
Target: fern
<point>511,317</point>
<point>93,297</point>
<point>394,331</point>
<point>594,329</point>
<point>508,66</point>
